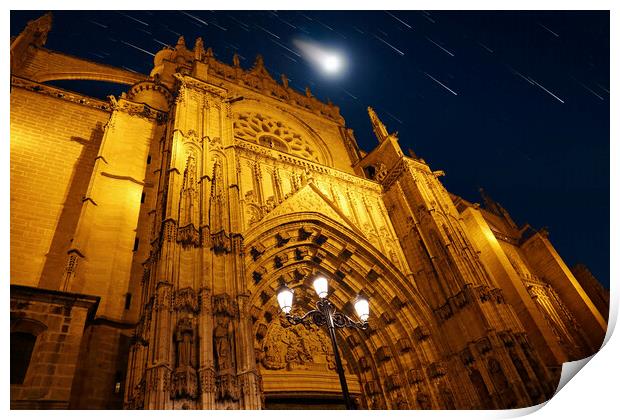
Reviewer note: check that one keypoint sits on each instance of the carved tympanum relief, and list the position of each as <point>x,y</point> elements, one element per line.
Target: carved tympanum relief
<point>299,347</point>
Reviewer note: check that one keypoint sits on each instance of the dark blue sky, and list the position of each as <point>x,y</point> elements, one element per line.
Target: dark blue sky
<point>515,102</point>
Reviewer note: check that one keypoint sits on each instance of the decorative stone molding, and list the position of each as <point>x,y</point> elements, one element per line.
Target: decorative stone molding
<point>372,388</point>
<point>393,382</point>
<point>138,110</point>
<point>436,370</point>
<point>383,354</point>
<point>184,383</point>
<point>147,85</point>
<point>186,300</point>
<point>60,94</point>
<point>267,132</point>
<point>404,345</point>
<point>387,318</point>
<point>415,376</point>
<point>421,333</point>
<point>223,304</point>
<point>364,364</point>
<point>483,345</point>
<point>466,357</point>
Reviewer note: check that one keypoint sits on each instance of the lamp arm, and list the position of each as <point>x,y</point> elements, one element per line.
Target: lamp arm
<point>314,315</point>
<point>343,321</point>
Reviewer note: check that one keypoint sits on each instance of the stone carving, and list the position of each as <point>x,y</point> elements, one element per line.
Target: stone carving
<point>384,353</point>
<point>372,388</point>
<point>136,402</point>
<point>59,94</point>
<point>189,206</point>
<point>268,132</point>
<point>415,376</point>
<point>380,172</point>
<point>227,387</point>
<point>466,357</point>
<point>220,239</point>
<point>421,333</point>
<point>207,380</point>
<point>184,383</point>
<point>483,345</point>
<point>387,318</point>
<point>404,345</point>
<point>221,339</point>
<point>225,306</point>
<point>296,348</point>
<point>447,397</point>
<point>436,370</point>
<point>261,331</point>
<point>186,300</point>
<point>401,402</point>
<point>137,110</point>
<point>424,401</point>
<point>364,364</point>
<point>184,339</point>
<point>393,382</point>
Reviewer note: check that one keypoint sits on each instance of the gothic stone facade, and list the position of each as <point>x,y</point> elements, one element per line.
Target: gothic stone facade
<point>149,234</point>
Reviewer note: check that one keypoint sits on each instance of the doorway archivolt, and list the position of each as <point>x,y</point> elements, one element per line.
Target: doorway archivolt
<point>387,366</point>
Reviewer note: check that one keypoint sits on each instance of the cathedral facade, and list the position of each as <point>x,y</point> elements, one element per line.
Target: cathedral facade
<point>150,232</point>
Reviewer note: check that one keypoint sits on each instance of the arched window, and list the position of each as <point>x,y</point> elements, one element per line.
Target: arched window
<point>22,344</point>
<point>24,334</point>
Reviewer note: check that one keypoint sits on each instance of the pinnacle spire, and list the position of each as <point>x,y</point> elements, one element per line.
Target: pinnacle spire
<point>377,126</point>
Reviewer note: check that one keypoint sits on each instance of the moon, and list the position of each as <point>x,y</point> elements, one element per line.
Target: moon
<point>330,62</point>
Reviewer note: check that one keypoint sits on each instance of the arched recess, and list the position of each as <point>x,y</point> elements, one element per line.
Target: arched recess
<point>125,78</point>
<point>46,65</point>
<point>395,360</point>
<point>289,119</point>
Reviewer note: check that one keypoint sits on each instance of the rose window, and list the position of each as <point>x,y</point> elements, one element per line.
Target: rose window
<point>268,132</point>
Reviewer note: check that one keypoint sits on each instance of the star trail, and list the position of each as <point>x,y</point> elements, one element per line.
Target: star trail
<point>515,102</point>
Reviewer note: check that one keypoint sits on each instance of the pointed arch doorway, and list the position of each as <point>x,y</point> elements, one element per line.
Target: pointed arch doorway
<point>294,361</point>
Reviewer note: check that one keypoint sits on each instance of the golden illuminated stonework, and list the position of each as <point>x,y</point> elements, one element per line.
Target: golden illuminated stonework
<point>150,232</point>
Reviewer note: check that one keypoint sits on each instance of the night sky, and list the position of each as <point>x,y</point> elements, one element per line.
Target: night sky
<point>515,102</point>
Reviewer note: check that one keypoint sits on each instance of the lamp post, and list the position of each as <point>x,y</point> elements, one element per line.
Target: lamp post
<point>327,314</point>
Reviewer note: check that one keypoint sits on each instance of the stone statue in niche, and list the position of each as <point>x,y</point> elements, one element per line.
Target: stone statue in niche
<point>222,343</point>
<point>188,211</point>
<point>184,339</point>
<point>183,380</point>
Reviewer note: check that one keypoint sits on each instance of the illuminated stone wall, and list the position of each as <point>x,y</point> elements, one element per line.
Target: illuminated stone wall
<point>183,204</point>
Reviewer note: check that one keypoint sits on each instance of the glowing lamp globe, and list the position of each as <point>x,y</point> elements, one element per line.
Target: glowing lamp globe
<point>285,299</point>
<point>362,308</point>
<point>320,286</point>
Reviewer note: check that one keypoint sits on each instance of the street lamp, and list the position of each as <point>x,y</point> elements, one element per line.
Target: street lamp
<point>327,314</point>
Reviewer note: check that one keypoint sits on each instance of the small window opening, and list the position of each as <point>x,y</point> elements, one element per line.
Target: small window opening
<point>22,345</point>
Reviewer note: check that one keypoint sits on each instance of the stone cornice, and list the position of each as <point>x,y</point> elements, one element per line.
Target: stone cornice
<point>196,84</point>
<point>60,94</point>
<point>138,109</point>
